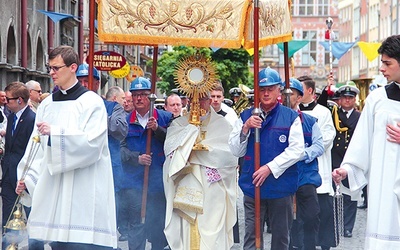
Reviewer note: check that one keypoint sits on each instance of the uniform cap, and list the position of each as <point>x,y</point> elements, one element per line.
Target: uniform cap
<point>336,95</point>
<point>268,77</point>
<point>179,93</point>
<point>349,89</point>
<point>235,91</point>
<point>140,83</point>
<point>83,70</point>
<point>228,102</point>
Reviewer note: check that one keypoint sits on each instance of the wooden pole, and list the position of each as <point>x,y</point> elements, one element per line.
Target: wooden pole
<point>287,91</point>
<point>50,26</point>
<point>152,98</point>
<point>92,8</point>
<point>257,202</point>
<point>80,31</point>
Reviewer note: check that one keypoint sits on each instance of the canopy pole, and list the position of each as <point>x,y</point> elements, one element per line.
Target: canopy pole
<point>257,112</point>
<point>92,7</point>
<point>287,91</point>
<point>152,98</point>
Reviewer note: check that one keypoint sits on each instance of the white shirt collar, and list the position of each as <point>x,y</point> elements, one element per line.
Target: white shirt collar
<point>64,91</point>
<point>143,119</point>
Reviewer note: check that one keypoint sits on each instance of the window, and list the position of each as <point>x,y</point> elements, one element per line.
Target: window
<point>67,33</point>
<point>323,7</point>
<point>309,52</point>
<point>306,7</point>
<point>63,6</point>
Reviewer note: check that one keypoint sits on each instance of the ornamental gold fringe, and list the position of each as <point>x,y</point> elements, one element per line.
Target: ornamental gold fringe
<point>188,207</point>
<point>188,199</point>
<point>185,216</point>
<point>198,23</point>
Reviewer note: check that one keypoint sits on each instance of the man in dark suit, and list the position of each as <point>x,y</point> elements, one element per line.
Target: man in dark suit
<point>18,132</point>
<point>345,119</point>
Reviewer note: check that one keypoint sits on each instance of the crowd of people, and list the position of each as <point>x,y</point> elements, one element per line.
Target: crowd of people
<point>109,169</point>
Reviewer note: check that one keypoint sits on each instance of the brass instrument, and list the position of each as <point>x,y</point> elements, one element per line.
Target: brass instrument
<point>363,85</point>
<point>243,101</point>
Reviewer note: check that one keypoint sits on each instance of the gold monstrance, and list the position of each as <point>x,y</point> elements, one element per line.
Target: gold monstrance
<point>195,76</point>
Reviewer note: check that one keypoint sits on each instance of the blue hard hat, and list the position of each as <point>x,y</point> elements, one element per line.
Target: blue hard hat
<point>140,83</point>
<point>296,84</point>
<point>268,77</point>
<point>83,70</point>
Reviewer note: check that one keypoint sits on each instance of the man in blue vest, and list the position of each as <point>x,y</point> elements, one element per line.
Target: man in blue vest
<point>306,224</point>
<point>134,160</point>
<point>281,146</point>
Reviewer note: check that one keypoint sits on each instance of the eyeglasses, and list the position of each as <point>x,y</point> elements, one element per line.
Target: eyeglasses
<point>141,95</point>
<point>11,98</point>
<point>39,91</point>
<point>54,68</point>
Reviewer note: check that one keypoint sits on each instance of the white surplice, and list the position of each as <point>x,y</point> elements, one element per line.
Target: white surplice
<point>70,181</point>
<point>371,159</point>
<point>193,203</point>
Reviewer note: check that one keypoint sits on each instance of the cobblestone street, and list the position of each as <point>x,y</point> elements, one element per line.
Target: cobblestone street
<point>354,243</point>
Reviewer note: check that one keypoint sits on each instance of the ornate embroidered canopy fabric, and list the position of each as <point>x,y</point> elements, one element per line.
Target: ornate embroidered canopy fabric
<point>199,23</point>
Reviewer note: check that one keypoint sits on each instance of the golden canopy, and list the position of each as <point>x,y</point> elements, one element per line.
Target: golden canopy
<point>198,23</point>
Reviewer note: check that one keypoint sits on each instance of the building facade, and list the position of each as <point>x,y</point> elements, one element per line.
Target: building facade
<point>362,20</point>
<point>23,42</point>
<point>28,35</point>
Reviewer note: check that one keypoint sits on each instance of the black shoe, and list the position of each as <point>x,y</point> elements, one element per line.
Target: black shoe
<point>347,234</point>
<point>363,206</point>
<point>123,237</point>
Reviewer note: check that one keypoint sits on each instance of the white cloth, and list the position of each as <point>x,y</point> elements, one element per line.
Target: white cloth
<point>372,159</point>
<point>214,203</point>
<point>3,127</point>
<point>70,182</point>
<point>328,131</point>
<point>231,115</point>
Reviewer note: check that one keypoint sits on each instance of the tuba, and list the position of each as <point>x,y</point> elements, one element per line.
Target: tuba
<point>363,85</point>
<point>243,101</point>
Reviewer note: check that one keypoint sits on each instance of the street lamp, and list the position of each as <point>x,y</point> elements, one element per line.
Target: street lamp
<point>328,35</point>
